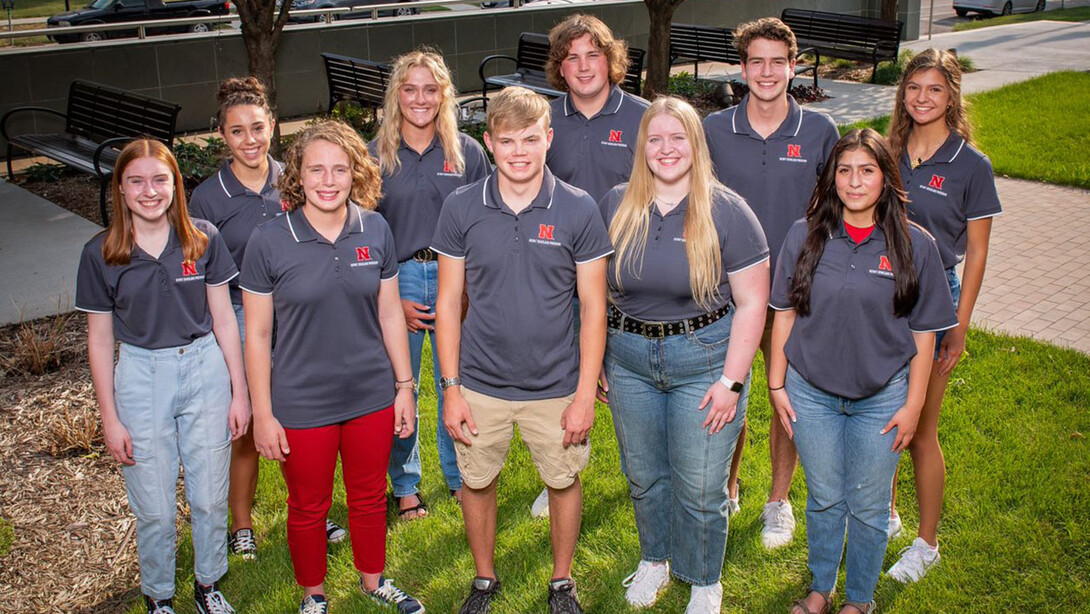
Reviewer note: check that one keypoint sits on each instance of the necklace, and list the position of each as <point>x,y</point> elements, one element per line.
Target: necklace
<point>924,154</point>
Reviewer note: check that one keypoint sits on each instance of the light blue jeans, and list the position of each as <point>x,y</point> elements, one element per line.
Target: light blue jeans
<point>849,471</point>
<point>174,403</point>
<point>419,282</point>
<point>677,471</point>
<point>955,292</point>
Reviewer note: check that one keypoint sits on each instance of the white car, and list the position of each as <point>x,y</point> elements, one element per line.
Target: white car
<point>997,7</point>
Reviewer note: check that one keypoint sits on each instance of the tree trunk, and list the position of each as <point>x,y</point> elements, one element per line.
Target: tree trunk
<point>261,28</point>
<point>660,12</point>
<point>889,10</point>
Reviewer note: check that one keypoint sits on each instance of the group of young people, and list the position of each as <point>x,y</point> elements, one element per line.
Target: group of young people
<point>619,250</point>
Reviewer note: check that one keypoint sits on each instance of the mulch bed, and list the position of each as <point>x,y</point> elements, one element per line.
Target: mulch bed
<point>74,547</point>
<point>76,192</point>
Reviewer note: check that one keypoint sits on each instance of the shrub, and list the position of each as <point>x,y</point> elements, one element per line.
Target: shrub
<point>198,162</point>
<point>684,85</point>
<point>888,73</point>
<point>74,428</point>
<point>36,347</point>
<point>363,120</point>
<point>44,172</point>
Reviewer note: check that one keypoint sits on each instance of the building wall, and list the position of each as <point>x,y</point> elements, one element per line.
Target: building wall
<point>187,70</point>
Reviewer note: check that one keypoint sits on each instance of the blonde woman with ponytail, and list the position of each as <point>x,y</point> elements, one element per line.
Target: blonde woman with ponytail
<point>689,283</point>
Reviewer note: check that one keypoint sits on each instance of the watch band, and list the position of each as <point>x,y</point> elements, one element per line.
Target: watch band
<point>447,382</point>
<point>731,385</point>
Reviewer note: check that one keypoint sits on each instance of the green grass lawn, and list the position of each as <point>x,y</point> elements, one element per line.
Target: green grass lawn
<point>1015,534</point>
<point>42,8</point>
<point>1074,14</point>
<point>1036,130</point>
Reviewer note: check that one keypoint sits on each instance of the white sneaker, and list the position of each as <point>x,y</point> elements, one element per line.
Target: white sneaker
<point>705,599</point>
<point>540,508</point>
<point>733,506</point>
<point>779,522</point>
<point>914,562</point>
<point>646,582</point>
<point>895,526</point>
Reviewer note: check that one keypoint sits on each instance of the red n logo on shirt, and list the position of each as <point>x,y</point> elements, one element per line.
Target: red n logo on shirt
<point>794,151</point>
<point>283,205</point>
<point>189,268</point>
<point>936,182</point>
<point>448,167</point>
<point>545,231</point>
<point>883,264</point>
<point>363,253</point>
<point>615,136</point>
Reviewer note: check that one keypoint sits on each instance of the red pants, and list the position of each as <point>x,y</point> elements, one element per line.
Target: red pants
<point>364,444</point>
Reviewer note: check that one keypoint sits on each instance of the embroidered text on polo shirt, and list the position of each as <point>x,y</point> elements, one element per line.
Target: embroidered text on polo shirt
<point>794,154</point>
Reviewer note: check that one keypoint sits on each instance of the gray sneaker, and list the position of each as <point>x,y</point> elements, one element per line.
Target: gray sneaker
<point>480,596</point>
<point>562,597</point>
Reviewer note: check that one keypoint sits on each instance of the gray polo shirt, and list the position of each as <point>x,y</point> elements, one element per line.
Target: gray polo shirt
<point>413,197</point>
<point>851,344</point>
<point>776,175</point>
<point>157,302</point>
<point>595,154</point>
<point>956,185</point>
<point>331,364</point>
<point>658,290</point>
<point>236,210</point>
<point>518,341</point>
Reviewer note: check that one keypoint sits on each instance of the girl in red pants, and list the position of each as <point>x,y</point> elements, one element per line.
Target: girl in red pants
<point>341,382</point>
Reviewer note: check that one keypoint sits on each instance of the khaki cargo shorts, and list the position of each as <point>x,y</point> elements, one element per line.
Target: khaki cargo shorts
<point>539,423</point>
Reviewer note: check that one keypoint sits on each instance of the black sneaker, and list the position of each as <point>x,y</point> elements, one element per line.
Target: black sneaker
<point>210,600</point>
<point>159,606</point>
<point>480,597</point>
<point>314,604</point>
<point>242,543</point>
<point>562,597</point>
<point>388,593</point>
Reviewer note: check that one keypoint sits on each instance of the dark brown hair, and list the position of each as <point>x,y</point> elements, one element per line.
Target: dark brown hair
<point>235,92</point>
<point>825,216</point>
<point>766,27</point>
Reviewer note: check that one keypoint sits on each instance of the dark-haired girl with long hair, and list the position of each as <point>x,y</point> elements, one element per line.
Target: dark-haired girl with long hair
<point>156,281</point>
<point>951,193</point>
<point>859,293</point>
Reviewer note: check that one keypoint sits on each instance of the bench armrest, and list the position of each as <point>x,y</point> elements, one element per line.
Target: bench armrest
<point>484,62</point>
<point>101,148</point>
<point>4,119</point>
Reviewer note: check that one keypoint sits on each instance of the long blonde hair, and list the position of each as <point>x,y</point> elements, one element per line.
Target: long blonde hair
<point>446,121</point>
<point>629,228</point>
<point>957,120</point>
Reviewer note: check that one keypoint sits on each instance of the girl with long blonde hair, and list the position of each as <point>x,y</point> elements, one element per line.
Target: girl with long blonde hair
<point>423,158</point>
<point>689,283</point>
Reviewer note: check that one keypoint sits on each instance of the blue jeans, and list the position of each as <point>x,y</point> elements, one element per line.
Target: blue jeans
<point>174,403</point>
<point>677,472</point>
<point>241,323</point>
<point>849,471</point>
<point>955,291</point>
<point>419,282</point>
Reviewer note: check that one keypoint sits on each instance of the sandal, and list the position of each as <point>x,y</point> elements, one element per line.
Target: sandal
<point>800,604</point>
<point>869,607</point>
<point>416,512</point>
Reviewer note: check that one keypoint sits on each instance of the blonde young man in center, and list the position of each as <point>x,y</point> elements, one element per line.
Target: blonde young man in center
<point>522,244</point>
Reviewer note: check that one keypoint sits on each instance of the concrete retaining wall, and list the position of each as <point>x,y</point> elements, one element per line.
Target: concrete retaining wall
<point>187,69</point>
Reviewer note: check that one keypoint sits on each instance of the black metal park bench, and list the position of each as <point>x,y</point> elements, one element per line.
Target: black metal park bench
<point>845,36</point>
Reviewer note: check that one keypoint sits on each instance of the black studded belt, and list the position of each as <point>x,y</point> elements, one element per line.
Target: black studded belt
<point>425,255</point>
<point>657,330</point>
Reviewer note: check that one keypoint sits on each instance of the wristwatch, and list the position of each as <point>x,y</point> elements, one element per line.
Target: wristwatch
<point>731,385</point>
<point>447,382</point>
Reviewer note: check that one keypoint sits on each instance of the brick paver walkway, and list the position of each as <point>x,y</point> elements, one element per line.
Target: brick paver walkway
<point>1038,278</point>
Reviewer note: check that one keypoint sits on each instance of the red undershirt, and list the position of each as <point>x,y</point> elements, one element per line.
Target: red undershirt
<point>858,234</point>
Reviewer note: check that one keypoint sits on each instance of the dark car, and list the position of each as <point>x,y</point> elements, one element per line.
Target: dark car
<point>306,5</point>
<point>119,11</point>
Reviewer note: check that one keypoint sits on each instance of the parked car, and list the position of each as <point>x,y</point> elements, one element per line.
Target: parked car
<point>997,7</point>
<point>507,3</point>
<point>117,11</point>
<point>306,5</point>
